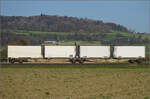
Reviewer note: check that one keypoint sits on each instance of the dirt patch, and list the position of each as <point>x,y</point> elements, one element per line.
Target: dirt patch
<point>61,83</point>
<point>48,60</point>
<point>106,61</point>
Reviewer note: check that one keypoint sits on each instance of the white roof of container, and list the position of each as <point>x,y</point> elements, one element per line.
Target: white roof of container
<point>24,51</point>
<point>95,51</point>
<point>59,51</point>
<point>129,51</point>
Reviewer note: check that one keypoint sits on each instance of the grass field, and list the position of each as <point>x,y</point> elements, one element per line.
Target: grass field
<point>25,32</point>
<point>75,82</point>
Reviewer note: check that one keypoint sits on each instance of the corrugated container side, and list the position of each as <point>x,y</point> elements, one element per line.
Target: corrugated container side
<point>59,51</point>
<point>95,51</point>
<point>24,52</point>
<point>129,51</point>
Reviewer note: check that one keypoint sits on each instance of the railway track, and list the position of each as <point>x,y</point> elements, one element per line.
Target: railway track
<point>68,64</point>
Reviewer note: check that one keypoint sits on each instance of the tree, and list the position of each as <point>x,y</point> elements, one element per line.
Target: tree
<point>20,42</point>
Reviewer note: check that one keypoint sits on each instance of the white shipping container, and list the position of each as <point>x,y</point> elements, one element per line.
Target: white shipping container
<point>59,51</point>
<point>24,52</point>
<point>95,51</point>
<point>129,51</point>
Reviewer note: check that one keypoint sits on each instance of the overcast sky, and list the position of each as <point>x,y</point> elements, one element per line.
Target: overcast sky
<point>134,14</point>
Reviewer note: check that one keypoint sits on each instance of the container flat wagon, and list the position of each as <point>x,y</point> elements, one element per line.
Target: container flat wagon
<point>133,53</point>
<point>93,52</point>
<point>76,53</point>
<point>60,52</point>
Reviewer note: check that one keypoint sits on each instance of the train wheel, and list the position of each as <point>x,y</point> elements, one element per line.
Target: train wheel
<point>131,61</point>
<point>20,61</point>
<point>12,61</point>
<point>138,61</point>
<point>81,61</point>
<point>73,61</point>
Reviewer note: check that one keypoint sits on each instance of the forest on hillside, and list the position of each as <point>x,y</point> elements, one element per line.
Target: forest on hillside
<point>58,24</point>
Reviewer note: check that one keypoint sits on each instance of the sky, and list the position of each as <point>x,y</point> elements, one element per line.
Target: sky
<point>133,14</point>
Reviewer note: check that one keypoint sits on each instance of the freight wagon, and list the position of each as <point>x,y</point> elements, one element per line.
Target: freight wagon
<point>91,52</point>
<point>76,53</point>
<point>133,53</point>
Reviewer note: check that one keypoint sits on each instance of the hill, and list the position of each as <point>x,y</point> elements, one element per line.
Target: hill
<point>58,24</point>
<point>36,29</point>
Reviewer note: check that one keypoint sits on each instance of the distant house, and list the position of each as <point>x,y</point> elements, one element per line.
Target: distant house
<point>50,42</point>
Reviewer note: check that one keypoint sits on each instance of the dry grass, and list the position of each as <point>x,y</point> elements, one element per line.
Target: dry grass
<point>48,61</point>
<point>65,83</point>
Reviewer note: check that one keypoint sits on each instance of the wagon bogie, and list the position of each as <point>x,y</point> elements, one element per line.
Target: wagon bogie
<point>17,60</point>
